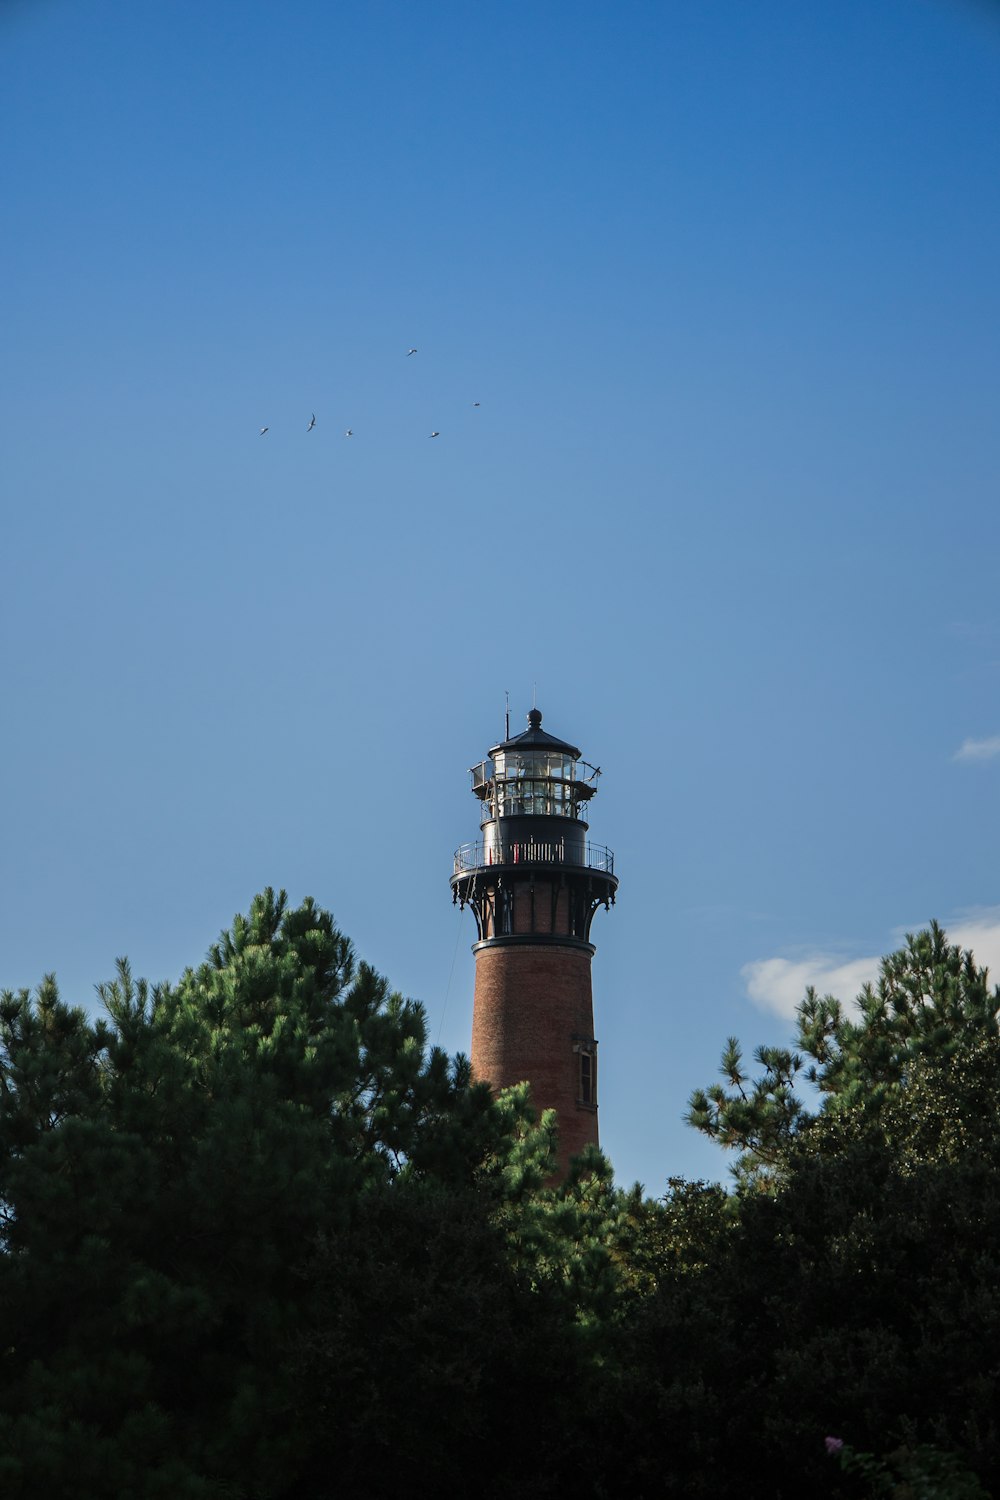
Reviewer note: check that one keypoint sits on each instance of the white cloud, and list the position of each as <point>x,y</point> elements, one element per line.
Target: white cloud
<point>978,749</point>
<point>778,984</point>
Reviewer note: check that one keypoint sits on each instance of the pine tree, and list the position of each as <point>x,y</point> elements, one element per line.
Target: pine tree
<point>166,1168</point>
<point>929,1012</point>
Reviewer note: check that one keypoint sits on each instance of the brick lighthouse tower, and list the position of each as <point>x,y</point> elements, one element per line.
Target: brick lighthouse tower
<point>534,882</point>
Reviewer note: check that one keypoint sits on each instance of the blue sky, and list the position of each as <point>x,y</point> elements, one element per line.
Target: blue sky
<point>723,279</point>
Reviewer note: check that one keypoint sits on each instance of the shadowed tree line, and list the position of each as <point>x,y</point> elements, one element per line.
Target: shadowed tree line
<point>260,1242</point>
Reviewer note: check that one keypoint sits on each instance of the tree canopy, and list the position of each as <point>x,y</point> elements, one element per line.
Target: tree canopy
<point>259,1241</point>
<point>931,1011</point>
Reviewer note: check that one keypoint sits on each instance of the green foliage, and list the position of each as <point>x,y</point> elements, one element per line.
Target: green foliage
<point>856,1286</point>
<point>258,1241</point>
<point>921,1473</point>
<point>162,1173</point>
<point>429,1356</point>
<point>760,1118</point>
<point>930,1010</point>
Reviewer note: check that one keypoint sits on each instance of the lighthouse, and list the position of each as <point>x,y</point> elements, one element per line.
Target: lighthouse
<point>534,881</point>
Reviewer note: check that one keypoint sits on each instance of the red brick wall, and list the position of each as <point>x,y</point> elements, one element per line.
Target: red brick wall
<point>542,909</point>
<point>532,1001</point>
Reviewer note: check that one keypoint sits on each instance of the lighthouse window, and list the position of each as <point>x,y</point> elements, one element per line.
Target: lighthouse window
<point>534,797</point>
<point>540,798</point>
<point>511,801</point>
<point>587,1080</point>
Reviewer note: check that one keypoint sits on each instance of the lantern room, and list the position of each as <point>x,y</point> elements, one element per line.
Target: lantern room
<point>533,775</point>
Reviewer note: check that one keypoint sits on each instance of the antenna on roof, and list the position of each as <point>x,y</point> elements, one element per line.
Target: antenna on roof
<point>534,695</point>
<point>506,717</point>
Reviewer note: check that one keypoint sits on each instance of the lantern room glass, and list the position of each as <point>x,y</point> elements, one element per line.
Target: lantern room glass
<point>534,783</point>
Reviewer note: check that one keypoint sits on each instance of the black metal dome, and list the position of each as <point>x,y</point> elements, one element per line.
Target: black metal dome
<point>537,738</point>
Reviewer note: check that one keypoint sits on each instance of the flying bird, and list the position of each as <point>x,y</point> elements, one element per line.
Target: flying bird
<point>263,430</point>
<point>435,434</point>
<point>312,423</point>
<point>409,352</point>
<point>476,403</point>
<point>349,433</point>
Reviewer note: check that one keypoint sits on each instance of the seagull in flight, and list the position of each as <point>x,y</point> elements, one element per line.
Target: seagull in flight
<point>349,432</point>
<point>477,403</point>
<point>263,430</point>
<point>435,434</point>
<point>312,423</point>
<point>409,352</point>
